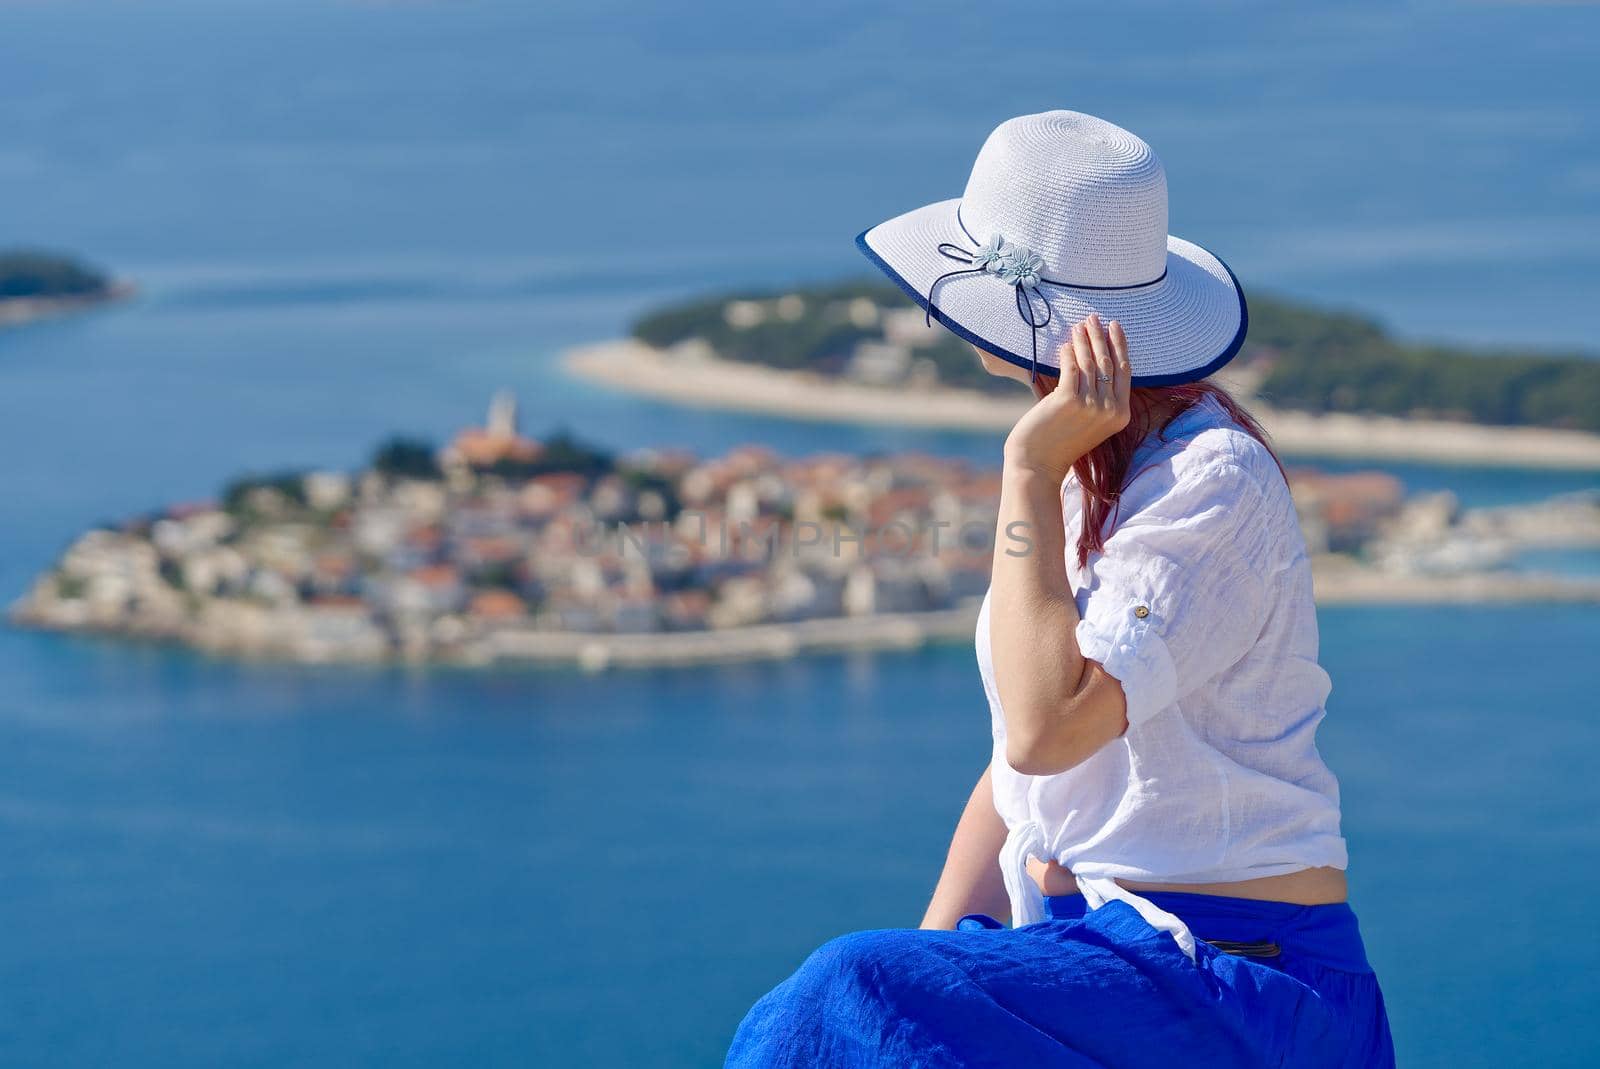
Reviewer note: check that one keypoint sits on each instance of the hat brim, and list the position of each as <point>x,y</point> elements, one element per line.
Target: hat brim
<point>1180,329</point>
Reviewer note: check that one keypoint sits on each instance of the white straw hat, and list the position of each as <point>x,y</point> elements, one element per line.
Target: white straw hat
<point>1064,215</point>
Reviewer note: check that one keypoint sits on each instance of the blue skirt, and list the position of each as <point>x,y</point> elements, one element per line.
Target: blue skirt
<point>1098,988</point>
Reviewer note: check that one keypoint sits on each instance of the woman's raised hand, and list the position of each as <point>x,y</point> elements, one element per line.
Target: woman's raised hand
<point>1088,405</point>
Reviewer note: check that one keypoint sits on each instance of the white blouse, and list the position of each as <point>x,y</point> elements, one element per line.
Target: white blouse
<point>1201,606</point>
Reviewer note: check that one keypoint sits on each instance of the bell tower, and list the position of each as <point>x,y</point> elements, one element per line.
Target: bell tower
<point>502,421</point>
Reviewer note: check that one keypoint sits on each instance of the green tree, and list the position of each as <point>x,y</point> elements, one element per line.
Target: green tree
<point>31,273</point>
<point>407,458</point>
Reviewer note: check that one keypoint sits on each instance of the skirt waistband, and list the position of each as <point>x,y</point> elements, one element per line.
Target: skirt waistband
<point>1326,934</point>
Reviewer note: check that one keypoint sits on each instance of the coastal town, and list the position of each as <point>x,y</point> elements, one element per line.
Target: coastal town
<point>501,548</point>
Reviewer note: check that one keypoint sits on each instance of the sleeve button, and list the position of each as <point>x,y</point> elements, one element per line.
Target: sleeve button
<point>1141,611</point>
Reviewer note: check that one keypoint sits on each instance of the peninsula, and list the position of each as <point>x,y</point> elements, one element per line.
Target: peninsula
<point>1323,384</point>
<point>502,548</point>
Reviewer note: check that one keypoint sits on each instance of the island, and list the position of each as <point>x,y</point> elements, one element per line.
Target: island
<point>1322,383</point>
<point>35,285</point>
<point>501,548</point>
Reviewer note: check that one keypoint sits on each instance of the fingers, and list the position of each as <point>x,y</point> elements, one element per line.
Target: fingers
<point>1096,351</point>
<point>1083,359</point>
<point>1123,375</point>
<point>1067,365</point>
<point>1104,365</point>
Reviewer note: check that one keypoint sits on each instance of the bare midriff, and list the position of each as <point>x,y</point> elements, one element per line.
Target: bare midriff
<point>1308,887</point>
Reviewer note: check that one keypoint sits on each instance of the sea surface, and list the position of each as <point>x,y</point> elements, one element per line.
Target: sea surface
<point>351,219</point>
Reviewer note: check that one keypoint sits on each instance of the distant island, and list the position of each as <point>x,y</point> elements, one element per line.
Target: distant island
<point>501,548</point>
<point>35,284</point>
<point>1324,382</point>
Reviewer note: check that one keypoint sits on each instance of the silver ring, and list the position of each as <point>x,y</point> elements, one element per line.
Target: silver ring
<point>1102,378</point>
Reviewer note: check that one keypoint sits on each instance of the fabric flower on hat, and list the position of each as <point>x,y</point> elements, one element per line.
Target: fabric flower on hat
<point>991,254</point>
<point>1021,266</point>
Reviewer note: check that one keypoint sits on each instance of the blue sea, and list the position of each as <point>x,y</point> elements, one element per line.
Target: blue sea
<point>350,219</point>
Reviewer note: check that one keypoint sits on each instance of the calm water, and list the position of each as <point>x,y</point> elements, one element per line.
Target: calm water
<point>211,864</point>
<point>351,219</point>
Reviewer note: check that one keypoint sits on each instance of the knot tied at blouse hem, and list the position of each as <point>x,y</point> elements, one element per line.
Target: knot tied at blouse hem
<point>1027,840</point>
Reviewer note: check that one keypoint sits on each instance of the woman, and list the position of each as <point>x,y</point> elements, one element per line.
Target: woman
<point>1155,821</point>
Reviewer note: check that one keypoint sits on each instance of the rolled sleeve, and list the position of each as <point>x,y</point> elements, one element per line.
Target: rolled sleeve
<point>1130,648</point>
<point>1177,596</point>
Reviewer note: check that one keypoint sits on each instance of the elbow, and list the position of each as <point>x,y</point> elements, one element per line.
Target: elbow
<point>1029,762</point>
<point>1048,752</point>
<point>1051,742</point>
<point>1049,734</point>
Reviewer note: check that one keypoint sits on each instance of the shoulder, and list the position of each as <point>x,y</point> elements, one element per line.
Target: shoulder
<point>1211,483</point>
<point>1205,455</point>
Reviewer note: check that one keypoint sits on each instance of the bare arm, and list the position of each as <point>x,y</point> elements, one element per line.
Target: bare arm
<point>971,881</point>
<point>1059,708</point>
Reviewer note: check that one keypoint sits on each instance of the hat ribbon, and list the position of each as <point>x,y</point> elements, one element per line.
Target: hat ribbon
<point>1015,264</point>
<point>1019,266</point>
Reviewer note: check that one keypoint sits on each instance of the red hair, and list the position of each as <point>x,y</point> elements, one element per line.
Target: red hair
<point>1103,471</point>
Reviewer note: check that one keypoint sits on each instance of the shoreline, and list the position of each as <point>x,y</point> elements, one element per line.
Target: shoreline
<point>1338,583</point>
<point>589,651</point>
<point>702,380</point>
<point>21,311</point>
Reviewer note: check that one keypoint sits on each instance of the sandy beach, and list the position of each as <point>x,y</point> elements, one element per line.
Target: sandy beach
<point>695,378</point>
